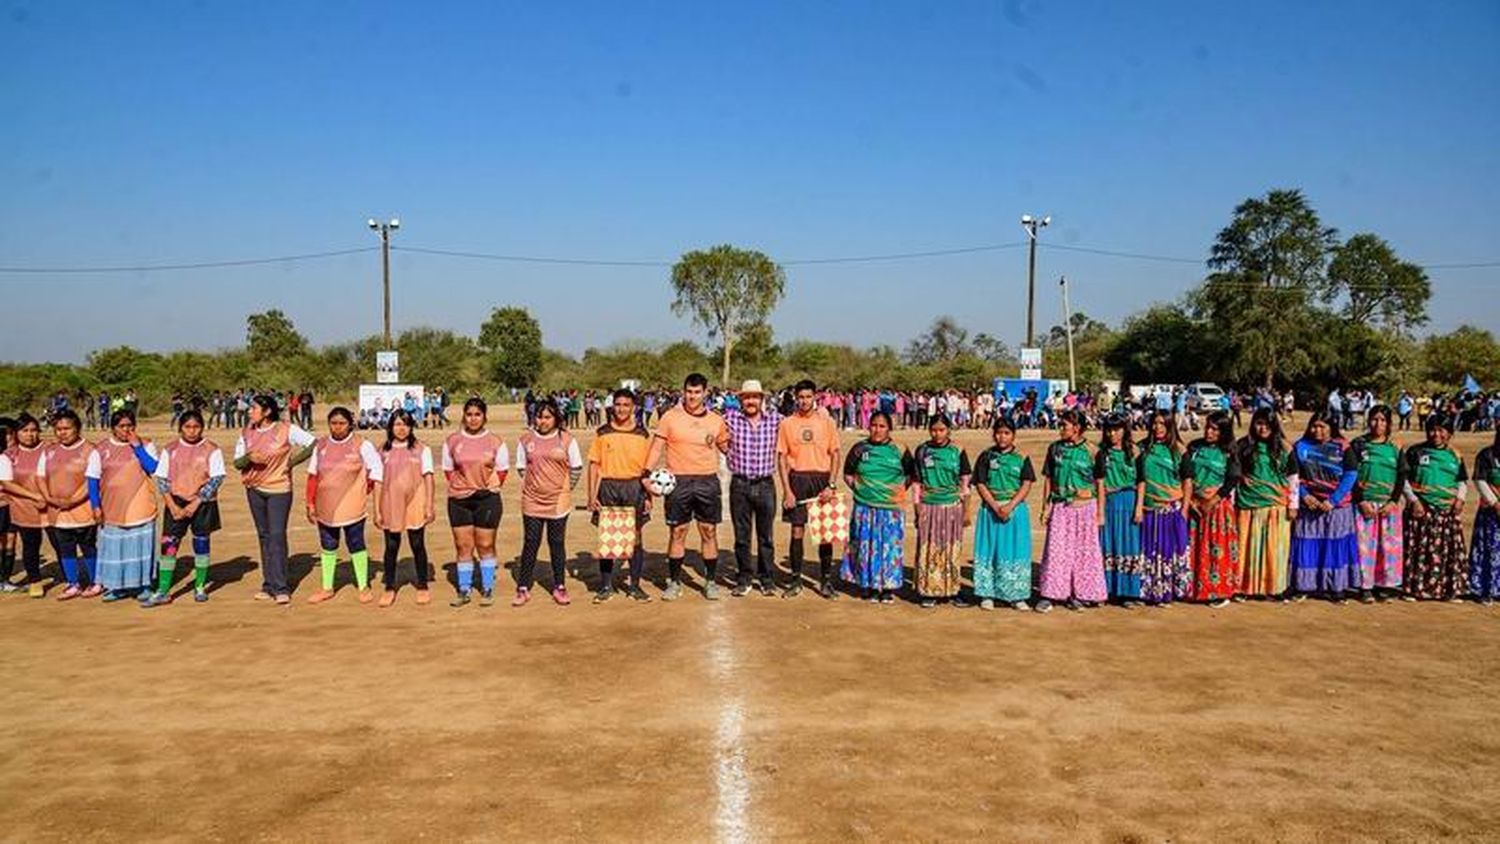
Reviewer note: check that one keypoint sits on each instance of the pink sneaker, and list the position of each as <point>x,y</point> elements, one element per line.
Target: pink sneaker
<point>560,595</point>
<point>522,596</point>
<point>93,591</point>
<point>70,593</point>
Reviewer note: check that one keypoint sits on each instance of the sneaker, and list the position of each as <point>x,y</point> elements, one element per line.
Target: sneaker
<point>486,597</point>
<point>672,592</point>
<point>1131,605</point>
<point>1366,596</point>
<point>1298,598</point>
<point>459,600</point>
<point>283,600</point>
<point>1043,606</point>
<point>1219,603</point>
<point>710,591</point>
<point>560,596</point>
<point>93,591</point>
<point>887,597</point>
<point>604,594</point>
<point>827,592</point>
<point>261,596</point>
<point>387,597</point>
<point>1486,602</point>
<point>114,595</point>
<point>767,590</point>
<point>7,588</point>
<point>1074,605</point>
<point>1407,596</point>
<point>200,596</point>
<point>929,603</point>
<point>36,589</point>
<point>157,599</point>
<point>522,596</point>
<point>793,590</point>
<point>70,593</point>
<point>1019,605</point>
<point>986,604</point>
<point>959,602</point>
<point>320,596</point>
<point>636,593</point>
<point>869,595</point>
<point>740,590</point>
<point>1238,599</point>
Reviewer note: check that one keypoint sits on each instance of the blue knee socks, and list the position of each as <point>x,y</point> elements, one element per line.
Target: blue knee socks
<point>465,577</point>
<point>70,570</point>
<point>487,573</point>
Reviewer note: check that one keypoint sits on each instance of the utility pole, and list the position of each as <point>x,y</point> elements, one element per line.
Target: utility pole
<point>1031,224</point>
<point>1068,324</point>
<point>384,230</point>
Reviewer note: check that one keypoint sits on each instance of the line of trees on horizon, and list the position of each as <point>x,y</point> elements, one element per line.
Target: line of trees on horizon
<point>1286,303</point>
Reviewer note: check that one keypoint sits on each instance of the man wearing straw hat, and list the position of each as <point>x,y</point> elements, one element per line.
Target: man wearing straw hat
<point>752,487</point>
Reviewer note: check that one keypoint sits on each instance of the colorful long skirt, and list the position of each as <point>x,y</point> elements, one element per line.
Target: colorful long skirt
<point>1165,573</point>
<point>874,557</point>
<point>1380,550</point>
<point>127,556</point>
<point>1436,565</point>
<point>940,545</point>
<point>1484,555</point>
<point>1216,553</point>
<point>1265,551</point>
<point>1325,551</point>
<point>1002,555</point>
<point>1072,564</point>
<point>1120,540</point>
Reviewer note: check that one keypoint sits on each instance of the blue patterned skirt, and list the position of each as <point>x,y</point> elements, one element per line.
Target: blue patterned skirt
<point>1002,555</point>
<point>127,556</point>
<point>874,557</point>
<point>1120,539</point>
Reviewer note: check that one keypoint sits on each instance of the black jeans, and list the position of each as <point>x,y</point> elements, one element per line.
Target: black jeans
<point>752,502</point>
<point>418,540</point>
<point>531,542</point>
<point>31,552</point>
<point>270,511</point>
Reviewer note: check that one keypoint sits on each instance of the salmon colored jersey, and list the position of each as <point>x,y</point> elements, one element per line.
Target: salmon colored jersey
<point>23,465</point>
<point>190,465</point>
<point>473,463</point>
<point>403,488</point>
<point>548,461</point>
<point>127,496</point>
<point>807,442</point>
<point>692,441</point>
<point>64,468</point>
<point>344,470</point>
<point>275,442</point>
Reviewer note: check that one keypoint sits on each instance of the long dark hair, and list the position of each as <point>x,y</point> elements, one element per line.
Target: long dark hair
<point>1115,422</point>
<point>1224,425</point>
<point>1276,443</point>
<point>476,401</point>
<point>1383,412</point>
<point>1169,420</point>
<point>182,418</point>
<point>390,430</point>
<point>1329,419</point>
<point>268,409</point>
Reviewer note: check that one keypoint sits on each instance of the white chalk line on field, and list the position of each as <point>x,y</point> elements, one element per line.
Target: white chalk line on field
<point>731,779</point>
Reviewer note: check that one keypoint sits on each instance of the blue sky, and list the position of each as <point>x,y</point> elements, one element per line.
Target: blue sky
<point>155,132</point>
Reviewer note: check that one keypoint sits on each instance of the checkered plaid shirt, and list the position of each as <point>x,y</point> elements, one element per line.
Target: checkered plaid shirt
<point>752,447</point>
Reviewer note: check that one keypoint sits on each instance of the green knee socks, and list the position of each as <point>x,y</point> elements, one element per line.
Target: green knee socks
<point>361,561</point>
<point>200,573</point>
<point>164,567</point>
<point>328,560</point>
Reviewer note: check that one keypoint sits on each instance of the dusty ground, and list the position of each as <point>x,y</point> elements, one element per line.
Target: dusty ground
<point>747,719</point>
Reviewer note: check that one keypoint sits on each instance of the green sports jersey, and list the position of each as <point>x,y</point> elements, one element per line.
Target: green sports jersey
<point>1002,472</point>
<point>1267,483</point>
<point>1379,470</point>
<point>1435,474</point>
<point>880,472</point>
<point>1070,466</point>
<point>939,470</point>
<point>1116,468</point>
<point>1160,469</point>
<point>1209,467</point>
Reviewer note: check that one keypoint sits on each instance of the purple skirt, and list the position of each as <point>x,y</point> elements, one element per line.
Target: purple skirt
<point>1166,573</point>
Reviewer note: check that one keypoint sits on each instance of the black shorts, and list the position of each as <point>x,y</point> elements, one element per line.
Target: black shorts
<point>204,522</point>
<point>480,510</point>
<point>697,498</point>
<point>5,519</point>
<point>804,485</point>
<point>616,492</point>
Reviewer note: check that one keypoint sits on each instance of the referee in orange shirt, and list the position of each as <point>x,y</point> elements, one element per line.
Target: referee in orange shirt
<point>692,437</point>
<point>807,461</point>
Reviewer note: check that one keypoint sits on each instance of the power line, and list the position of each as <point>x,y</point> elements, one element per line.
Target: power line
<point>1139,256</point>
<point>901,256</point>
<point>531,259</point>
<point>201,265</point>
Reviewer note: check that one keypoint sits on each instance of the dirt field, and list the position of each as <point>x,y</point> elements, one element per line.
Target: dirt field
<point>740,720</point>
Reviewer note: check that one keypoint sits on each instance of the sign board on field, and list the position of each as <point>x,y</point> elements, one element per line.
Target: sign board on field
<point>379,398</point>
<point>1031,364</point>
<point>387,367</point>
<point>631,384</point>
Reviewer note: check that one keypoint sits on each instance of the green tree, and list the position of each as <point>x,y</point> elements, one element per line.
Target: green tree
<point>727,291</point>
<point>513,340</point>
<point>437,357</point>
<point>1464,351</point>
<point>1377,286</point>
<point>1162,345</point>
<point>944,340</point>
<point>270,335</point>
<point>1268,267</point>
<point>119,367</point>
<point>992,350</point>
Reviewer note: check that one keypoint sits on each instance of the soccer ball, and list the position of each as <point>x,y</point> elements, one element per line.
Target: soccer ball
<point>663,482</point>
